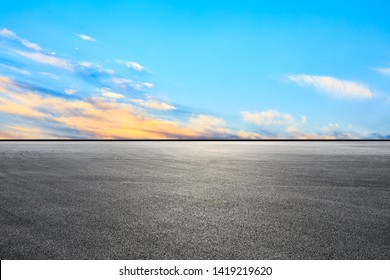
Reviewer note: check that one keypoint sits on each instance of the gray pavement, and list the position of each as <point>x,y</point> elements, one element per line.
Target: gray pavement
<point>194,200</point>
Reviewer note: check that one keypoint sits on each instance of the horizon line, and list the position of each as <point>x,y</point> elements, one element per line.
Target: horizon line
<point>194,140</point>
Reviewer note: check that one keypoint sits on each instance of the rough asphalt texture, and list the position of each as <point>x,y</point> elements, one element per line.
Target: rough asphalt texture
<point>194,200</point>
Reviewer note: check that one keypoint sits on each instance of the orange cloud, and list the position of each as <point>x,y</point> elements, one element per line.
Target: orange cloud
<point>107,119</point>
<point>94,117</point>
<point>99,117</point>
<point>22,105</point>
<point>22,132</point>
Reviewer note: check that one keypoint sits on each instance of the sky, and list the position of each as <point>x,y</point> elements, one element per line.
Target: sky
<point>194,69</point>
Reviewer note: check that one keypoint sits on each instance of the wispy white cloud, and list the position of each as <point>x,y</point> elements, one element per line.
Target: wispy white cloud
<point>47,74</point>
<point>134,65</point>
<point>141,86</point>
<point>110,94</point>
<point>31,45</point>
<point>131,64</point>
<point>86,64</point>
<point>384,71</point>
<point>153,104</point>
<point>70,91</point>
<point>124,84</point>
<point>95,67</point>
<point>47,59</point>
<point>121,82</point>
<point>148,85</point>
<point>270,118</point>
<point>38,55</point>
<point>4,32</point>
<point>85,37</point>
<point>17,70</point>
<point>333,86</point>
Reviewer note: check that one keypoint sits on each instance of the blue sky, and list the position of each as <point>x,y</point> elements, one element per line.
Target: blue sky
<point>194,69</point>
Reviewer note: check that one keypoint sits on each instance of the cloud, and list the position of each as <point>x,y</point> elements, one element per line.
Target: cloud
<point>295,133</point>
<point>141,86</point>
<point>4,32</point>
<point>333,86</point>
<point>331,127</point>
<point>47,59</point>
<point>17,104</point>
<point>104,110</point>
<point>384,71</point>
<point>335,130</point>
<point>132,65</point>
<point>86,64</point>
<point>108,115</point>
<point>97,117</point>
<point>30,45</point>
<point>279,125</point>
<point>210,127</point>
<point>331,131</point>
<point>100,117</point>
<point>287,126</point>
<point>93,73</point>
<point>148,85</point>
<point>109,94</point>
<point>92,117</point>
<point>96,67</point>
<point>122,82</point>
<point>203,121</point>
<point>47,74</point>
<point>269,118</point>
<point>251,135</point>
<point>6,81</point>
<point>22,132</point>
<point>85,37</point>
<point>17,70</point>
<point>70,91</point>
<point>153,104</point>
<point>114,120</point>
<point>126,84</point>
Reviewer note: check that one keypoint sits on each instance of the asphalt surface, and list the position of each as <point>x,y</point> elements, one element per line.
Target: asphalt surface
<point>194,200</point>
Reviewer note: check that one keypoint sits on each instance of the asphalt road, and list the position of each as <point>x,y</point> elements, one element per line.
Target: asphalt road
<point>194,200</point>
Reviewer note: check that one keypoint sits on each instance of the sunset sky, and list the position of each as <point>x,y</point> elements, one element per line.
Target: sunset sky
<point>194,69</point>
